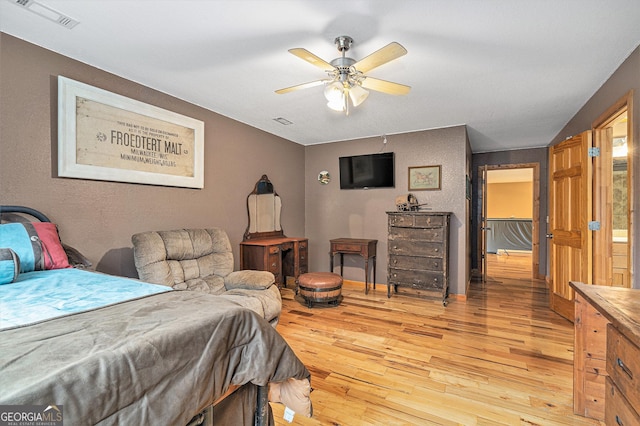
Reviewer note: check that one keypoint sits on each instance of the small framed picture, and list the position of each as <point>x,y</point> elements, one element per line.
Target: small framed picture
<point>423,178</point>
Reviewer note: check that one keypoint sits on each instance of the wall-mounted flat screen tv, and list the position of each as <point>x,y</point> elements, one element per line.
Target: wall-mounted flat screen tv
<point>367,171</point>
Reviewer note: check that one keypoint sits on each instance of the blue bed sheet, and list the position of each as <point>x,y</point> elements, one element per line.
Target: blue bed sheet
<point>40,295</point>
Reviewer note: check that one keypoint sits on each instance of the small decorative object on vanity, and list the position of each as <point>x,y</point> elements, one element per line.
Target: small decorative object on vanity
<point>418,248</point>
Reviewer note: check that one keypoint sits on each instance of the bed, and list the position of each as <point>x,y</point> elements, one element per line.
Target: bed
<point>112,350</point>
<point>509,234</point>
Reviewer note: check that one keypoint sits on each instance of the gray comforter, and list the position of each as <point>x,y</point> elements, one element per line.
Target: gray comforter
<point>156,360</point>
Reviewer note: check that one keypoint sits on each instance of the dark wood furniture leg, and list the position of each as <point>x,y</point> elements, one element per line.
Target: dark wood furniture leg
<point>366,275</point>
<point>374,272</point>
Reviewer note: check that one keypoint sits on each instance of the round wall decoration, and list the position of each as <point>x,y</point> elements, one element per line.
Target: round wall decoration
<point>324,177</point>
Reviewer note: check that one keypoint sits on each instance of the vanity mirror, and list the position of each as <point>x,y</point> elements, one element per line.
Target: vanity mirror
<point>263,208</point>
<point>265,247</point>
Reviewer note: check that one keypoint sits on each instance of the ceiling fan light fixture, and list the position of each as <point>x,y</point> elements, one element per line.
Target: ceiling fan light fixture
<point>334,92</point>
<point>357,95</point>
<point>338,105</point>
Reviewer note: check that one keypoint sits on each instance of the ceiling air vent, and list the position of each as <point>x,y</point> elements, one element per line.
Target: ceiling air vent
<point>46,12</point>
<point>283,121</point>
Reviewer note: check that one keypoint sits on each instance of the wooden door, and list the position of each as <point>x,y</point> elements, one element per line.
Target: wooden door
<point>570,185</point>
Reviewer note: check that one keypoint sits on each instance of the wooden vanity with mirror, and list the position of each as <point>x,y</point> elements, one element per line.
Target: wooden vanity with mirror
<point>264,246</point>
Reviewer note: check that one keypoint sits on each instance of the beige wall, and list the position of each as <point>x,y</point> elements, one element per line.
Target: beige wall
<point>510,200</point>
<point>98,217</point>
<point>335,213</point>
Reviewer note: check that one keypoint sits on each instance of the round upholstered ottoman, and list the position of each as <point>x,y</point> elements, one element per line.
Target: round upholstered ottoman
<point>320,287</point>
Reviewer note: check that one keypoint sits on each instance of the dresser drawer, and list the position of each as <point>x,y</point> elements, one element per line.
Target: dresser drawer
<point>417,221</point>
<point>416,248</point>
<point>303,258</point>
<point>273,250</point>
<point>623,365</point>
<point>617,410</point>
<point>427,221</point>
<point>347,248</point>
<point>413,262</point>
<point>303,253</point>
<point>273,263</point>
<point>416,279</point>
<point>417,234</point>
<point>400,220</point>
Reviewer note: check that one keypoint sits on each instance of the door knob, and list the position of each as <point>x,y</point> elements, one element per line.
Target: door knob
<point>549,235</point>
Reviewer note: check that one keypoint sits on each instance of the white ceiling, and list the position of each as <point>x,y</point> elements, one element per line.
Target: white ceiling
<point>513,71</point>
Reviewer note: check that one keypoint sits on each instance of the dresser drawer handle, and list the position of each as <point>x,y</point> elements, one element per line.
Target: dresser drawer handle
<point>436,264</point>
<point>273,265</point>
<point>625,369</point>
<point>436,250</point>
<point>301,257</point>
<point>395,261</point>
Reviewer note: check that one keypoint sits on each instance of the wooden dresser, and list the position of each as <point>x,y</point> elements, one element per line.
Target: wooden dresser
<point>418,248</point>
<point>282,256</point>
<point>606,366</point>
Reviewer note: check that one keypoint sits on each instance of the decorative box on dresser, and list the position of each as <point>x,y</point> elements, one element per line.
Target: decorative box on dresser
<point>418,252</point>
<point>606,365</point>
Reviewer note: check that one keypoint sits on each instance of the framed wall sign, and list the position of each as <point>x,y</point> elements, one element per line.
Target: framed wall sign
<point>424,178</point>
<point>105,136</point>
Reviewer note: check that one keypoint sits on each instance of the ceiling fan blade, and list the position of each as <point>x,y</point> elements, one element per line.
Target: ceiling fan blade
<point>380,57</point>
<point>385,86</point>
<point>311,58</point>
<point>300,86</point>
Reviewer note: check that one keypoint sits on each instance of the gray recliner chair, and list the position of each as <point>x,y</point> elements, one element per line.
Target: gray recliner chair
<point>202,260</point>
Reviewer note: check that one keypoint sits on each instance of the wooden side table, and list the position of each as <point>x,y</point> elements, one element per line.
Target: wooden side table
<point>363,247</point>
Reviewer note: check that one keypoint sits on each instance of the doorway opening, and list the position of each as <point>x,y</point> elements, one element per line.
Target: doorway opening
<point>613,198</point>
<point>511,204</point>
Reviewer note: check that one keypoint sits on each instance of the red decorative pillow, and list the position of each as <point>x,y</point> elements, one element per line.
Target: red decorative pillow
<point>54,255</point>
<point>37,245</point>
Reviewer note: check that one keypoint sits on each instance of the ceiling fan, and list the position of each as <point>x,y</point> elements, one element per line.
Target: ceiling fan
<point>346,76</point>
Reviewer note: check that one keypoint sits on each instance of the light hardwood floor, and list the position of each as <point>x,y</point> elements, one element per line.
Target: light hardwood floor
<point>499,358</point>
